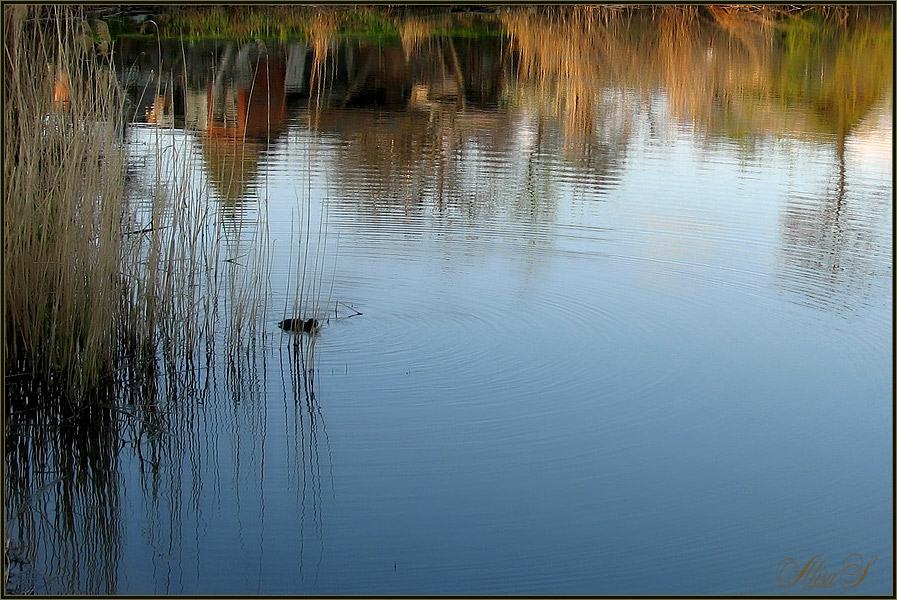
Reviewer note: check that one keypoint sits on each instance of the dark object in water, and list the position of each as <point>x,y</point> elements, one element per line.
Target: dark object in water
<point>300,325</point>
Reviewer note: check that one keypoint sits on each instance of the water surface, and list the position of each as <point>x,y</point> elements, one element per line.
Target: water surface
<point>624,330</point>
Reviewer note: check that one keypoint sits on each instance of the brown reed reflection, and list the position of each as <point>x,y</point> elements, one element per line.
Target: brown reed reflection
<point>720,68</point>
<point>320,32</point>
<point>415,31</point>
<point>561,60</point>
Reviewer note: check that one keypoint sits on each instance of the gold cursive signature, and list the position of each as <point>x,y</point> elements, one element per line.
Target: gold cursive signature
<point>815,574</point>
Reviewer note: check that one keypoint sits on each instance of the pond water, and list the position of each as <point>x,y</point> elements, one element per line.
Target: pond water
<point>585,329</point>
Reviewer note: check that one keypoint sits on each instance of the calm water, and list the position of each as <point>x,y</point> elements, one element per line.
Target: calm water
<point>620,334</point>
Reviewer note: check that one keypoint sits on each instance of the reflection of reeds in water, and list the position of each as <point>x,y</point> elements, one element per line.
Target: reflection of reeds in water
<point>707,66</point>
<point>564,61</point>
<point>66,516</point>
<point>414,32</point>
<point>678,48</point>
<point>734,70</point>
<point>302,413</point>
<point>320,31</point>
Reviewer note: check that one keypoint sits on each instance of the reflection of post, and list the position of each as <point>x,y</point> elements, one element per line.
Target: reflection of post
<point>295,68</point>
<point>245,111</point>
<point>260,103</point>
<point>196,110</point>
<point>261,107</point>
<point>459,74</point>
<point>61,90</point>
<point>217,87</point>
<point>358,78</point>
<point>842,185</point>
<point>159,109</point>
<point>825,257</point>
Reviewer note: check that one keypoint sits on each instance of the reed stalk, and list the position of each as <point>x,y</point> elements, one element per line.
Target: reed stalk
<point>63,199</point>
<point>101,274</point>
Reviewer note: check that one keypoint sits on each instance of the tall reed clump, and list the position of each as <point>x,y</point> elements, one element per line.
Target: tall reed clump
<point>63,193</point>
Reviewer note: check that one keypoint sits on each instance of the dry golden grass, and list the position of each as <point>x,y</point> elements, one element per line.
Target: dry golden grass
<point>63,182</point>
<point>98,282</point>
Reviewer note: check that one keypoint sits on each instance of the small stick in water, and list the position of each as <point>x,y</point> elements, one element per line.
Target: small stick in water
<point>355,310</point>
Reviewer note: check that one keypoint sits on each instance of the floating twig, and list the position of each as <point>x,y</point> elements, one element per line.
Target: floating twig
<point>355,310</point>
<point>145,230</point>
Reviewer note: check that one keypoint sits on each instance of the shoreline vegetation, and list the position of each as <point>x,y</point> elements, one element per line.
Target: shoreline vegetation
<point>288,22</point>
<point>124,292</point>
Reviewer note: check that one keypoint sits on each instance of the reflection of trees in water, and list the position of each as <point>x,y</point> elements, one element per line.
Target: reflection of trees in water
<point>459,168</point>
<point>831,245</point>
<point>585,73</point>
<point>834,240</point>
<point>233,95</point>
<point>445,151</point>
<point>729,70</point>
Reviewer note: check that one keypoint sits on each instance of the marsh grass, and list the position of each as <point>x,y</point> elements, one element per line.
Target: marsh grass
<point>97,279</point>
<point>234,22</point>
<point>63,180</point>
<point>90,292</point>
<point>123,291</point>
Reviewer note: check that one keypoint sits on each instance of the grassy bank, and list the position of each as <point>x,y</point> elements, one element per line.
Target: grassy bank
<point>294,22</point>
